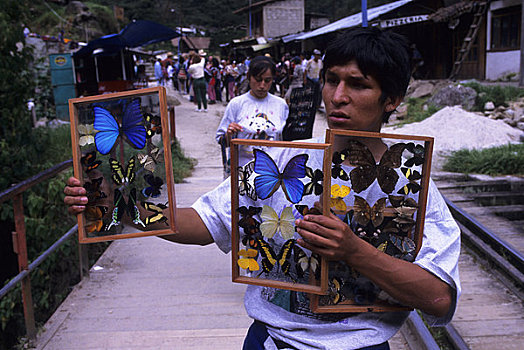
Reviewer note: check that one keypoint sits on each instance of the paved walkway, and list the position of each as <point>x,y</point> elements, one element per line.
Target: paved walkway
<point>148,293</point>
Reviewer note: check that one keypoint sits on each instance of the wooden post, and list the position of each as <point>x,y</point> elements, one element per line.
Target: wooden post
<point>172,128</point>
<point>20,248</point>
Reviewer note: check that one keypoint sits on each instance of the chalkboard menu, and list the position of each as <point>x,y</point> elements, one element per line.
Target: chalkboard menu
<point>302,109</point>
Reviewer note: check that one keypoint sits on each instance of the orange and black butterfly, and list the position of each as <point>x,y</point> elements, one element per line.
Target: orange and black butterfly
<point>250,225</point>
<point>89,161</point>
<point>367,170</point>
<point>94,216</point>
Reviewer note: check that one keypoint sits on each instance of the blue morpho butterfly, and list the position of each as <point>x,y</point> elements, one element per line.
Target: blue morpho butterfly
<point>109,129</point>
<point>270,178</point>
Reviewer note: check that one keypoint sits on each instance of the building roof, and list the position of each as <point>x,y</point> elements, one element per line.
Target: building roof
<point>347,22</point>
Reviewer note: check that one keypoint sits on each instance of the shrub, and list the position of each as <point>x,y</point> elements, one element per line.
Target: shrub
<point>502,160</point>
<point>497,94</point>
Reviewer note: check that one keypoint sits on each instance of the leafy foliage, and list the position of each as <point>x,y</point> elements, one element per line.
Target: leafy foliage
<point>502,160</point>
<point>418,110</point>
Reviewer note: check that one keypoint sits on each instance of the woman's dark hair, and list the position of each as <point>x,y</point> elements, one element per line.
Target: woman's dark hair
<point>381,54</point>
<point>259,65</point>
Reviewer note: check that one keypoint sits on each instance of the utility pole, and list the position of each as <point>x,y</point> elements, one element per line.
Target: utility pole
<point>521,81</point>
<point>365,13</point>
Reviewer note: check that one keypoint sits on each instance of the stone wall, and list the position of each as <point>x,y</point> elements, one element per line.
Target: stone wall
<point>283,17</point>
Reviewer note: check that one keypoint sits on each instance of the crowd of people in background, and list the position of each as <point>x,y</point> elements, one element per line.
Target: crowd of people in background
<point>207,79</point>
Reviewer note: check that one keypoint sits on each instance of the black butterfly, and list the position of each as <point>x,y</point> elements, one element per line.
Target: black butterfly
<point>244,187</point>
<point>270,259</point>
<point>418,154</point>
<point>155,184</point>
<point>412,186</point>
<point>250,225</point>
<point>121,175</point>
<point>304,262</point>
<point>93,191</point>
<point>367,170</point>
<point>315,186</point>
<point>89,161</point>
<point>121,207</point>
<point>153,125</point>
<point>336,170</point>
<point>305,210</point>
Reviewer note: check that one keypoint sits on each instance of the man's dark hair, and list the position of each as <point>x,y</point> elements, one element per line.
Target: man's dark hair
<point>384,55</point>
<point>259,65</point>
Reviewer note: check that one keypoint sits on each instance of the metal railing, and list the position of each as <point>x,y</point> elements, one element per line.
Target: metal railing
<point>15,194</point>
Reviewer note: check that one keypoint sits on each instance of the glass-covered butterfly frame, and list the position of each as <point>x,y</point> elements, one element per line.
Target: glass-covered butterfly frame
<point>251,249</point>
<point>121,147</point>
<point>393,221</point>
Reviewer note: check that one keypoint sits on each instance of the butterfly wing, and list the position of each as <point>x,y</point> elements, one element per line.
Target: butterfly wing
<point>270,221</point>
<point>287,223</point>
<point>284,254</point>
<point>130,170</point>
<point>147,162</point>
<point>362,211</point>
<point>132,124</point>
<point>269,258</point>
<point>377,212</point>
<point>108,130</point>
<point>157,216</point>
<point>117,172</point>
<point>386,175</point>
<point>269,179</point>
<point>364,173</point>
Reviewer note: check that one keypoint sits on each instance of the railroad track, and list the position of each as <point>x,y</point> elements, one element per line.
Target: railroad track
<point>490,213</point>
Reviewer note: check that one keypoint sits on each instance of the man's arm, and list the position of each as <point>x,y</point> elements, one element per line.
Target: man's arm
<point>191,228</point>
<point>406,282</point>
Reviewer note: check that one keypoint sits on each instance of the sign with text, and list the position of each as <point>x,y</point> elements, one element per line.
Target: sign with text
<point>395,22</point>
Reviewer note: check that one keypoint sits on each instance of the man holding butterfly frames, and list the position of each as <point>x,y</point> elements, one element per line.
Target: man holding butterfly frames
<point>365,77</point>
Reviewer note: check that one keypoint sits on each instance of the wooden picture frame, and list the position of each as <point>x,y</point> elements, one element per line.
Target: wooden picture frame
<point>121,149</point>
<point>387,222</point>
<point>250,245</point>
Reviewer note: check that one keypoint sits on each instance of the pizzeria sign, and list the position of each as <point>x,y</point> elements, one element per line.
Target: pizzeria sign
<point>394,22</point>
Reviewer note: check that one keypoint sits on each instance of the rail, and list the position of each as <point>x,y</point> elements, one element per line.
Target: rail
<point>15,193</point>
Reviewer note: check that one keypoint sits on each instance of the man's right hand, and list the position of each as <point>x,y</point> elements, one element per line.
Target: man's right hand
<point>76,196</point>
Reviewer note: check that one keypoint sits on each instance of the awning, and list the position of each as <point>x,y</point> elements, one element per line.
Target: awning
<point>136,33</point>
<point>347,22</point>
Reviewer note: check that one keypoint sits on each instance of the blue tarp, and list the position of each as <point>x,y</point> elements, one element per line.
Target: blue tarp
<point>137,33</point>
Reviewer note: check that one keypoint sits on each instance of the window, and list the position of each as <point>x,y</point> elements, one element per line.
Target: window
<point>505,29</point>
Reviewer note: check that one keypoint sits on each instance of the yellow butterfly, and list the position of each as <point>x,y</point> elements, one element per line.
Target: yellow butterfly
<point>337,194</point>
<point>247,262</point>
<point>271,223</point>
<point>86,134</point>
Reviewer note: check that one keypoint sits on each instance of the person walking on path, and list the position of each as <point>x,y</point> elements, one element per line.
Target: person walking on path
<point>196,69</point>
<point>257,114</point>
<point>366,75</point>
<point>313,68</point>
<point>159,74</point>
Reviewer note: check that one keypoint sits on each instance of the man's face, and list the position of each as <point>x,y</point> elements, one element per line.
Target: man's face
<point>352,100</point>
